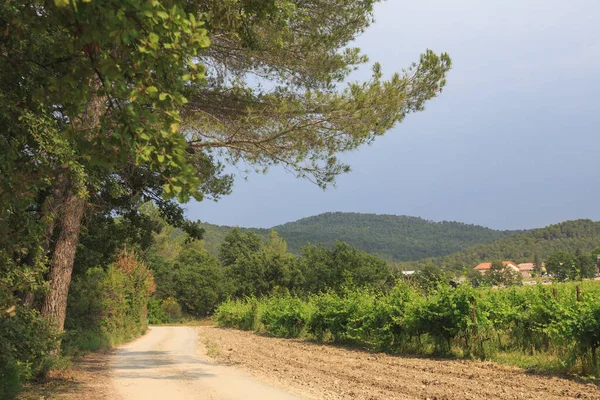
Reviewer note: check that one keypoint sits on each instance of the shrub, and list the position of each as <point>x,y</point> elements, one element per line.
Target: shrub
<point>285,316</point>
<point>25,344</point>
<point>156,314</point>
<point>25,338</point>
<point>241,314</point>
<point>106,308</point>
<point>172,309</point>
<point>330,316</point>
<point>446,315</point>
<point>388,326</point>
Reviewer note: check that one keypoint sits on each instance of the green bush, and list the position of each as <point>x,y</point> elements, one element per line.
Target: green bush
<point>25,344</point>
<point>108,307</point>
<point>388,328</point>
<point>445,315</point>
<point>156,314</point>
<point>330,316</point>
<point>172,309</point>
<point>26,339</point>
<point>577,329</point>
<point>240,314</point>
<point>285,316</point>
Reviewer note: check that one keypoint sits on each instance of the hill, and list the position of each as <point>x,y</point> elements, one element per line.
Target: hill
<point>569,236</point>
<point>393,237</point>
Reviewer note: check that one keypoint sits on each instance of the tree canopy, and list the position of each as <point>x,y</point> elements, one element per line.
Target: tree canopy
<point>107,104</point>
<point>392,237</point>
<point>276,90</point>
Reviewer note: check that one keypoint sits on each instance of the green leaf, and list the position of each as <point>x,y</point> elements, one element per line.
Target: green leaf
<point>153,37</point>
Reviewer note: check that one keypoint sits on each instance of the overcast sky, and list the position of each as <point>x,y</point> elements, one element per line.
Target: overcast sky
<point>511,143</point>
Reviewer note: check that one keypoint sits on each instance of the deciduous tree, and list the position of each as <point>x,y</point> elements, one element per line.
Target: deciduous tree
<point>499,274</point>
<point>125,101</point>
<point>562,266</point>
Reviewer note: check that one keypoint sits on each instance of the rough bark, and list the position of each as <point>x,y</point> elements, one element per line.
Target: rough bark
<point>54,308</point>
<point>49,215</point>
<point>70,206</point>
<point>49,211</point>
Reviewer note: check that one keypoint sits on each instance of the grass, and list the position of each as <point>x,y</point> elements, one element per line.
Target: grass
<point>537,362</point>
<point>212,349</point>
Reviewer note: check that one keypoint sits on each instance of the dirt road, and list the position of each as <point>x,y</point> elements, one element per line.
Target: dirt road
<point>166,364</point>
<point>175,363</point>
<point>314,371</point>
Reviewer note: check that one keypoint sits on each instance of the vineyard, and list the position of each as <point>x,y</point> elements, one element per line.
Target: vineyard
<point>554,327</point>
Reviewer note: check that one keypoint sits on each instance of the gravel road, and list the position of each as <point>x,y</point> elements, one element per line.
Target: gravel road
<point>166,364</point>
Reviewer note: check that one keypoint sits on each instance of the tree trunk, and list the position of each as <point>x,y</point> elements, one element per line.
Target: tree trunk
<point>50,207</point>
<point>54,308</point>
<point>70,209</point>
<point>48,215</point>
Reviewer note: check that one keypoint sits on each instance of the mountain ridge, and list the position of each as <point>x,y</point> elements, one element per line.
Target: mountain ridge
<point>568,236</point>
<point>393,237</point>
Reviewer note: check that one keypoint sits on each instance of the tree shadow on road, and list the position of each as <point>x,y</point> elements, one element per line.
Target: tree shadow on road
<point>160,365</point>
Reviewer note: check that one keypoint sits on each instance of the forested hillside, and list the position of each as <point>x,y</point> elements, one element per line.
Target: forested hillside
<point>568,236</point>
<point>393,237</point>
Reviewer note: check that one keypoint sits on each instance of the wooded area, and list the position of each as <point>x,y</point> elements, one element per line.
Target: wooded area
<point>571,236</point>
<point>392,237</point>
<point>106,105</point>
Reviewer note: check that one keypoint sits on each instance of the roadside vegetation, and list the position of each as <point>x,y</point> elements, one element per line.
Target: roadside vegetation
<point>191,282</point>
<point>106,307</point>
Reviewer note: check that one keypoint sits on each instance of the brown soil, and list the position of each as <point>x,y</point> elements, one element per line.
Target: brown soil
<point>317,371</point>
<point>89,379</point>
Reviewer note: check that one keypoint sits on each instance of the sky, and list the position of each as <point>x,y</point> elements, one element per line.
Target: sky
<point>512,142</point>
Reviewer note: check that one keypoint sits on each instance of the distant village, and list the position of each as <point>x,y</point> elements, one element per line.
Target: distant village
<point>526,269</point>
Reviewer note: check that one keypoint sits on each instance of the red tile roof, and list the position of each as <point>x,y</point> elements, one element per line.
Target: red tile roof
<point>488,265</point>
<point>483,266</point>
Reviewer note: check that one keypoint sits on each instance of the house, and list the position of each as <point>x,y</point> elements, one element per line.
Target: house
<point>485,267</point>
<point>526,269</point>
